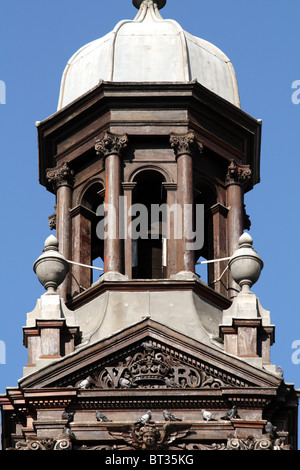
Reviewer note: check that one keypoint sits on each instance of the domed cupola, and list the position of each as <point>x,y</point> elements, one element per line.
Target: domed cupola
<point>148,49</point>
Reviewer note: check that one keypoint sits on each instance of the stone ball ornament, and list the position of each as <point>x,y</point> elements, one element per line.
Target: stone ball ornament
<point>51,267</point>
<point>245,264</point>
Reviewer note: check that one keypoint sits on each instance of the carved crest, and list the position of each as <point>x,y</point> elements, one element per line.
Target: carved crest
<point>151,367</point>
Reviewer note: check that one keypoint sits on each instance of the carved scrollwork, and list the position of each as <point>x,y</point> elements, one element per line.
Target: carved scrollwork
<point>152,368</point>
<point>44,444</point>
<point>250,443</point>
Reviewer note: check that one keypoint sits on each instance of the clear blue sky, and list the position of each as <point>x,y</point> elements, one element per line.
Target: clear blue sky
<point>261,37</point>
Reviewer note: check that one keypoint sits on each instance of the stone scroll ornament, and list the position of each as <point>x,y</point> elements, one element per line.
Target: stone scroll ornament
<point>45,444</point>
<point>152,368</point>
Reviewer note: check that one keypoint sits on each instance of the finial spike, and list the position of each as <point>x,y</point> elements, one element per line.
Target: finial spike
<point>160,3</point>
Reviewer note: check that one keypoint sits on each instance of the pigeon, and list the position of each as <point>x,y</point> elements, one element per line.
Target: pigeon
<point>231,414</point>
<point>269,428</point>
<point>125,383</point>
<point>85,383</point>
<point>68,433</point>
<point>207,415</point>
<point>145,418</point>
<point>171,383</point>
<point>100,417</point>
<point>279,371</point>
<point>149,347</point>
<point>170,416</point>
<point>69,415</point>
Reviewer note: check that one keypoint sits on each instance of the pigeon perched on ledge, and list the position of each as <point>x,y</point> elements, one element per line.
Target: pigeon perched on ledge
<point>126,383</point>
<point>102,418</point>
<point>207,415</point>
<point>84,384</point>
<point>68,415</point>
<point>149,347</point>
<point>145,418</point>
<point>171,383</point>
<point>231,414</point>
<point>170,416</point>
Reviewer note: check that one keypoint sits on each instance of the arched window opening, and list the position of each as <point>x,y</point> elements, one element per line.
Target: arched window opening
<point>148,242</point>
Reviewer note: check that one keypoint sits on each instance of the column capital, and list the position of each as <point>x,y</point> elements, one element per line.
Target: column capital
<point>110,144</point>
<point>237,174</point>
<point>60,175</point>
<point>184,144</point>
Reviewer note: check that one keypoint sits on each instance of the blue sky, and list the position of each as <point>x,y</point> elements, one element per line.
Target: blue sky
<point>261,37</point>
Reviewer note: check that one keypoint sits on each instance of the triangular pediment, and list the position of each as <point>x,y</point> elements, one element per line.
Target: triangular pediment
<point>150,355</point>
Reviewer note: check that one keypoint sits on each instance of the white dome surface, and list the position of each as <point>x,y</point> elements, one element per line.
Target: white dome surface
<point>148,49</point>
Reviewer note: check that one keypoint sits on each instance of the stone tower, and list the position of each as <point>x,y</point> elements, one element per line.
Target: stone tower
<point>149,156</point>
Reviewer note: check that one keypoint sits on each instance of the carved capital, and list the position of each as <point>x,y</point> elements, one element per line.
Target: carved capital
<point>184,144</point>
<point>52,221</point>
<point>111,144</point>
<point>237,175</point>
<point>60,176</point>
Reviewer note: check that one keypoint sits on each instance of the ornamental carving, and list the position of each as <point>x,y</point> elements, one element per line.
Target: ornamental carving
<point>237,175</point>
<point>150,368</point>
<point>149,437</point>
<point>184,144</point>
<point>52,221</point>
<point>60,176</point>
<point>44,444</point>
<point>110,144</point>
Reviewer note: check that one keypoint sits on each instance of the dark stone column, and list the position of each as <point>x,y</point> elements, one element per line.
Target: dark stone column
<point>236,178</point>
<point>110,147</point>
<point>183,146</point>
<point>62,179</point>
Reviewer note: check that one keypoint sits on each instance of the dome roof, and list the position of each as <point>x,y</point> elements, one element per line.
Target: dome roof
<point>148,49</point>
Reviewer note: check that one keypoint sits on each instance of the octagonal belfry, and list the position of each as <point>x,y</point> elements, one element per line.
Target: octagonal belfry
<point>149,156</point>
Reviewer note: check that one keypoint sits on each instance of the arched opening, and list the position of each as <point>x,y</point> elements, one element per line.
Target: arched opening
<point>148,242</point>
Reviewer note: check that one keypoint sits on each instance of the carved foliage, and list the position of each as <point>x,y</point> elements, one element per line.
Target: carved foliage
<point>110,144</point>
<point>184,143</point>
<point>236,174</point>
<point>60,175</point>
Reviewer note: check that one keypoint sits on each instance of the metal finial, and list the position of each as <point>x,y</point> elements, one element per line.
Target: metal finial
<point>160,3</point>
